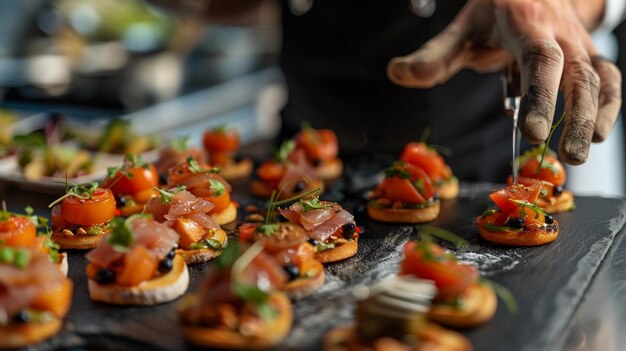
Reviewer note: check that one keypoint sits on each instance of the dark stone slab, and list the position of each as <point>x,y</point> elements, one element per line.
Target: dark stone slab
<point>548,281</point>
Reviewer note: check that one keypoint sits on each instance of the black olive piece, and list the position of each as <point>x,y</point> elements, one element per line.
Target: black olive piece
<point>105,276</point>
<point>162,178</point>
<point>549,220</point>
<point>558,190</point>
<point>120,201</point>
<point>237,158</point>
<point>166,266</point>
<point>293,271</point>
<point>515,223</point>
<point>348,230</point>
<point>313,242</point>
<point>299,187</point>
<point>21,317</point>
<point>171,254</point>
<point>436,197</point>
<point>316,162</point>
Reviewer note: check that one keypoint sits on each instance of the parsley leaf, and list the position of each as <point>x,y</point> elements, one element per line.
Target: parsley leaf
<point>229,256</point>
<point>268,229</point>
<point>314,203</point>
<point>284,150</point>
<point>397,171</point>
<point>122,237</point>
<point>180,144</point>
<point>217,186</point>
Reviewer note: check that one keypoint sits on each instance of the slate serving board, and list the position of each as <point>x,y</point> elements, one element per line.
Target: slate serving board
<point>548,281</point>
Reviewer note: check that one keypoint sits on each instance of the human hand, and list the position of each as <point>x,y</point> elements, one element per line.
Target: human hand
<point>549,42</point>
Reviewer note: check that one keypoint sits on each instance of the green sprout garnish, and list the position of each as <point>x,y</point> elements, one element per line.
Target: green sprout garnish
<point>122,236</point>
<point>167,196</point>
<point>194,167</point>
<point>180,144</point>
<point>314,203</point>
<point>82,191</point>
<point>284,150</point>
<point>217,187</point>
<point>397,171</point>
<point>442,234</point>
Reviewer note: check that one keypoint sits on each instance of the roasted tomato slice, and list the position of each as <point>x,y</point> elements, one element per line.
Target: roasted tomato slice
<point>221,139</point>
<point>406,183</point>
<point>271,171</point>
<point>546,192</point>
<point>320,144</point>
<point>132,180</point>
<point>429,261</point>
<point>17,231</point>
<point>506,198</point>
<point>398,189</point>
<point>98,209</point>
<point>287,236</point>
<point>426,158</point>
<point>552,170</point>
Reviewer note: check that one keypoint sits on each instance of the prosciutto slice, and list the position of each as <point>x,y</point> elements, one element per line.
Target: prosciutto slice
<point>184,205</point>
<point>320,224</point>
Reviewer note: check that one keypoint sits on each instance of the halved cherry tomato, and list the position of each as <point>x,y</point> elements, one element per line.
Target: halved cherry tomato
<point>246,230</point>
<point>422,156</point>
<point>100,208</point>
<point>451,277</point>
<point>221,140</point>
<point>552,170</point>
<point>139,265</point>
<point>549,188</point>
<point>220,202</point>
<point>419,176</point>
<point>271,171</point>
<point>320,144</point>
<point>398,189</point>
<point>504,198</point>
<point>17,231</point>
<point>141,178</point>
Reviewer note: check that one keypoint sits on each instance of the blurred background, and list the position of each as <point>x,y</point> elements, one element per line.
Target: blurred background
<point>93,60</point>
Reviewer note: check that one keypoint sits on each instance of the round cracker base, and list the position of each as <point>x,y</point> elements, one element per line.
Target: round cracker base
<point>559,204</point>
<point>270,334</point>
<point>390,215</point>
<point>478,306</point>
<point>16,336</point>
<point>524,238</point>
<point>338,253</point>
<point>77,241</point>
<point>228,215</point>
<point>165,288</point>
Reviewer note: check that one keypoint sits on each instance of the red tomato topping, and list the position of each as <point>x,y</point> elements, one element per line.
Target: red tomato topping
<point>141,178</point>
<point>506,198</point>
<point>427,260</point>
<point>552,170</point>
<point>397,189</point>
<point>426,158</point>
<point>17,231</point>
<point>221,139</point>
<point>271,171</point>
<point>246,230</point>
<point>547,188</point>
<point>100,208</point>
<point>320,144</point>
<point>406,183</point>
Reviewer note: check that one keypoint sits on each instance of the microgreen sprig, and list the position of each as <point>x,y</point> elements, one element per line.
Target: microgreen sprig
<point>397,171</point>
<point>195,167</point>
<point>552,129</point>
<point>167,196</point>
<point>122,236</point>
<point>284,150</point>
<point>82,191</point>
<point>180,144</point>
<point>440,233</point>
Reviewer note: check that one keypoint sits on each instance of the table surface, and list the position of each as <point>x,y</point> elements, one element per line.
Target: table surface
<point>570,292</point>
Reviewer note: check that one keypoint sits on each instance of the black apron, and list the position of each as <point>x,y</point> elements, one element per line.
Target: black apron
<point>334,58</point>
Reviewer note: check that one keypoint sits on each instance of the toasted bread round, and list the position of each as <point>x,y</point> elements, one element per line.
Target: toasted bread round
<point>449,189</point>
<point>338,253</point>
<point>268,335</point>
<point>404,215</point>
<point>431,336</point>
<point>304,286</point>
<point>478,305</point>
<point>228,215</point>
<point>63,264</point>
<point>330,169</point>
<point>76,241</point>
<point>522,238</point>
<point>236,170</point>
<point>557,204</point>
<point>15,336</point>
<point>204,255</point>
<point>159,290</point>
<point>260,189</point>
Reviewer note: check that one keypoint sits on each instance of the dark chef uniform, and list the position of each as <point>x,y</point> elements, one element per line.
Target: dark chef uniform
<point>334,58</point>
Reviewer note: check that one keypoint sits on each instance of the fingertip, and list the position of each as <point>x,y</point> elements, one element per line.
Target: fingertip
<point>535,127</point>
<point>574,151</point>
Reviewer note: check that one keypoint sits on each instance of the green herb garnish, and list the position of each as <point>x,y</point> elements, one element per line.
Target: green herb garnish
<point>17,257</point>
<point>217,187</point>
<point>314,204</point>
<point>442,234</point>
<point>268,228</point>
<point>488,213</point>
<point>194,167</point>
<point>180,144</point>
<point>325,246</point>
<point>284,150</point>
<point>213,244</point>
<point>552,129</point>
<point>122,237</point>
<point>397,171</point>
<point>167,196</point>
<point>82,191</point>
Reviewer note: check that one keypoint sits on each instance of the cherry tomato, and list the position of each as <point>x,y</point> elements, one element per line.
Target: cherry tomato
<point>271,171</point>
<point>451,277</point>
<point>17,231</point>
<point>220,202</point>
<point>426,158</point>
<point>398,189</point>
<point>141,178</point>
<point>221,140</point>
<point>552,170</point>
<point>504,197</point>
<point>219,158</point>
<point>419,176</point>
<point>246,230</point>
<point>100,208</point>
<point>318,144</point>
